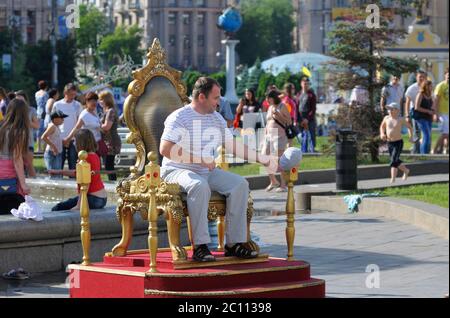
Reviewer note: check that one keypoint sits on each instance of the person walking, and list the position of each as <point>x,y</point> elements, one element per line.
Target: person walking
<point>72,108</point>
<point>109,124</point>
<point>52,137</point>
<point>41,98</point>
<point>410,101</point>
<point>441,102</point>
<point>391,131</point>
<point>90,120</point>
<point>391,93</point>
<point>307,106</point>
<point>424,110</point>
<point>276,140</point>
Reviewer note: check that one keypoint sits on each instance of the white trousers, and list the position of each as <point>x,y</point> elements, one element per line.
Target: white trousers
<point>198,188</point>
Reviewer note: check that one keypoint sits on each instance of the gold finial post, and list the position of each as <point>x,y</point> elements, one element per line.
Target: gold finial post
<point>222,160</point>
<point>84,179</point>
<point>290,177</point>
<point>152,175</point>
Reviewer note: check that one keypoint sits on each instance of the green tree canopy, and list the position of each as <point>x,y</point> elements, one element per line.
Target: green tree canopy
<point>360,53</point>
<point>124,41</point>
<point>273,22</point>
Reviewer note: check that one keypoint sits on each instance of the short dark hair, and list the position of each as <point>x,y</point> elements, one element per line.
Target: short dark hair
<point>275,95</point>
<point>204,85</point>
<point>305,79</point>
<point>42,85</point>
<point>85,140</point>
<point>421,72</point>
<point>446,70</point>
<point>91,95</point>
<point>11,95</point>
<point>52,93</point>
<point>70,87</point>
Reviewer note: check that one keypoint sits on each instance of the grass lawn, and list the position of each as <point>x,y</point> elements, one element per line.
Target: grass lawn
<point>436,194</point>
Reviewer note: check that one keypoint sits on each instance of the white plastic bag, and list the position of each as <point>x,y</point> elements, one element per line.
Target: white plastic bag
<point>28,210</point>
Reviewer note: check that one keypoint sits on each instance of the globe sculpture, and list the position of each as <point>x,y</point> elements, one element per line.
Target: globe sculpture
<point>230,21</point>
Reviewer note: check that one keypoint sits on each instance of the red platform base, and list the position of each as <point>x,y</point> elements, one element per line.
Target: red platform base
<point>127,277</point>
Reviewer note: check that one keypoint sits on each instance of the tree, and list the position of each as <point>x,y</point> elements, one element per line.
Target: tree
<point>189,78</point>
<point>221,77</point>
<point>359,51</point>
<point>124,41</point>
<point>273,20</point>
<point>255,74</point>
<point>93,26</point>
<point>265,80</point>
<point>38,58</point>
<point>242,81</point>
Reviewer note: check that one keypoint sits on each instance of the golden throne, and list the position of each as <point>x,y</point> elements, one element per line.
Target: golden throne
<point>155,92</point>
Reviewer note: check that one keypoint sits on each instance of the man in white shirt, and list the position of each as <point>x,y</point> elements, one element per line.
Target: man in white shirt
<point>391,93</point>
<point>190,138</point>
<point>411,96</point>
<point>72,108</point>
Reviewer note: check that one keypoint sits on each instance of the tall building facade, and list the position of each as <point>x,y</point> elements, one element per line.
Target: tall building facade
<point>186,29</point>
<point>32,18</point>
<point>315,18</point>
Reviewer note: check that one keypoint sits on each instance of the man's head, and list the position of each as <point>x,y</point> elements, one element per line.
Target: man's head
<point>305,83</point>
<point>206,94</point>
<point>70,91</point>
<point>446,74</point>
<point>395,79</point>
<point>421,76</point>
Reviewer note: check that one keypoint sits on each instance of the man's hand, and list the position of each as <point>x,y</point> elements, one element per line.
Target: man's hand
<point>211,166</point>
<point>383,137</point>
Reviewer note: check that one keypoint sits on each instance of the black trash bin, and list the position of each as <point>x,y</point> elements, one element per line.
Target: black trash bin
<point>346,160</point>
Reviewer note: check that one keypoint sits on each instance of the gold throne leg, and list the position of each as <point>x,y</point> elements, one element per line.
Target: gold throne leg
<point>221,233</point>
<point>173,230</point>
<point>127,230</point>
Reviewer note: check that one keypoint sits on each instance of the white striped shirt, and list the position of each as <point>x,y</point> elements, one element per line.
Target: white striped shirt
<point>196,133</point>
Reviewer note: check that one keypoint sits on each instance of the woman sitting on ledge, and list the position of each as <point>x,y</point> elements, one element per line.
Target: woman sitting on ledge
<point>97,196</point>
<point>14,134</point>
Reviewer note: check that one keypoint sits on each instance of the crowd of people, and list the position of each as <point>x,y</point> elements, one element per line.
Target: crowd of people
<point>61,128</point>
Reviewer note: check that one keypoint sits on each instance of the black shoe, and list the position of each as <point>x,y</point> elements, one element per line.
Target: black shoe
<point>240,250</point>
<point>202,254</point>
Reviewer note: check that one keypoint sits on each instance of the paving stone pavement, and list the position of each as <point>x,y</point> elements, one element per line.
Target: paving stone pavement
<point>339,247</point>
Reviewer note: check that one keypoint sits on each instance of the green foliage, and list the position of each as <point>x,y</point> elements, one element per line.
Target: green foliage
<point>124,41</point>
<point>242,82</point>
<point>255,75</point>
<point>360,53</point>
<point>93,24</point>
<point>189,78</point>
<point>221,77</point>
<point>265,80</point>
<point>273,20</point>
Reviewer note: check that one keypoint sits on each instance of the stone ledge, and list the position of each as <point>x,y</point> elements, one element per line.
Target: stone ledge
<point>54,243</point>
<point>428,217</point>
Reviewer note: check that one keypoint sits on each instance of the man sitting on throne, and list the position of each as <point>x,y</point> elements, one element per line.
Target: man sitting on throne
<point>190,139</point>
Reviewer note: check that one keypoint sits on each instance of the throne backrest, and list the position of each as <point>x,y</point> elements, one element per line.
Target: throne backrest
<point>155,92</point>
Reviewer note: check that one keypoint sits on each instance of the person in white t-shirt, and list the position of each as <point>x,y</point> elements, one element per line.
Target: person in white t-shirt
<point>72,108</point>
<point>190,138</point>
<point>411,96</point>
<point>88,119</point>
